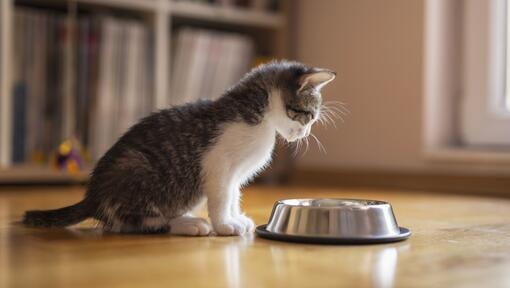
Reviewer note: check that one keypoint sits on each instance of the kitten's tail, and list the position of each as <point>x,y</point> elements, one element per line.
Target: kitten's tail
<point>59,217</point>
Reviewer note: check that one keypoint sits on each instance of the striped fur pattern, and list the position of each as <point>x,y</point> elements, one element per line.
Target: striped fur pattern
<point>168,163</point>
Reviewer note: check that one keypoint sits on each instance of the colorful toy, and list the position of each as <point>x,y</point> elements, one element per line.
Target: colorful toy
<point>68,156</point>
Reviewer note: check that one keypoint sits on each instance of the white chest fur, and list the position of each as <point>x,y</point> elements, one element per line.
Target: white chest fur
<point>240,152</point>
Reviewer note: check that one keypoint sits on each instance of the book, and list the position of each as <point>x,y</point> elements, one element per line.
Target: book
<point>123,95</point>
<point>112,88</point>
<point>104,117</point>
<point>82,84</point>
<point>206,63</point>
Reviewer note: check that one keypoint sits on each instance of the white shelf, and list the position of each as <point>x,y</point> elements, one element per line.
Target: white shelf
<point>213,13</point>
<point>230,15</point>
<point>127,4</point>
<point>40,174</point>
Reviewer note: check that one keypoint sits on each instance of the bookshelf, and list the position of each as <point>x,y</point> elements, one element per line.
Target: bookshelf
<point>228,15</point>
<point>163,18</point>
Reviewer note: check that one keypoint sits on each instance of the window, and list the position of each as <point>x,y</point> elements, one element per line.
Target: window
<point>485,105</point>
<point>507,53</point>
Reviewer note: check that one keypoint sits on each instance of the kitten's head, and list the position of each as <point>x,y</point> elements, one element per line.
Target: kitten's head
<point>296,99</point>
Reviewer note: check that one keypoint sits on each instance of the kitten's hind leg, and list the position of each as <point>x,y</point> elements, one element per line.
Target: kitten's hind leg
<point>190,226</point>
<point>155,225</point>
<point>136,224</point>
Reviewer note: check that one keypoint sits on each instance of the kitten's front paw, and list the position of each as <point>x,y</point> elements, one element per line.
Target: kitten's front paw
<point>190,226</point>
<point>229,227</point>
<point>249,225</point>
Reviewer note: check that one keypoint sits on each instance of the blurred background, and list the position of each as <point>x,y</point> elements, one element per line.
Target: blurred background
<point>425,83</point>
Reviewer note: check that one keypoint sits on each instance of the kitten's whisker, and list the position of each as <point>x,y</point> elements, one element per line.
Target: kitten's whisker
<point>319,144</point>
<point>336,109</point>
<point>333,102</point>
<point>296,148</point>
<point>320,118</point>
<point>333,114</point>
<point>329,110</point>
<point>323,119</point>
<point>337,116</point>
<point>329,113</point>
<point>337,105</point>
<point>343,109</point>
<point>307,145</point>
<point>329,119</point>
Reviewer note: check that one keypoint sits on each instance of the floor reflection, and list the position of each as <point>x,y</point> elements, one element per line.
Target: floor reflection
<point>232,258</point>
<point>384,267</point>
<point>4,245</point>
<point>369,265</point>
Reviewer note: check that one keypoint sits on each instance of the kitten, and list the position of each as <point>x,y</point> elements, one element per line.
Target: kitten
<point>169,162</point>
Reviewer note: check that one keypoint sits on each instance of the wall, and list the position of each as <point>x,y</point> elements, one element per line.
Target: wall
<point>376,49</point>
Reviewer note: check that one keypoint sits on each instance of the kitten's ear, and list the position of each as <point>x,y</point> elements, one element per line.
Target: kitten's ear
<point>317,79</point>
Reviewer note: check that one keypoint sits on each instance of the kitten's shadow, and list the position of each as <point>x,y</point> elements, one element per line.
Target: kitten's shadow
<point>49,234</point>
<point>89,230</point>
<point>86,231</point>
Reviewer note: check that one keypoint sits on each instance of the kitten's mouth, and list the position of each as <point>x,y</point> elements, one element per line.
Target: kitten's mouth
<point>292,139</point>
<point>295,135</point>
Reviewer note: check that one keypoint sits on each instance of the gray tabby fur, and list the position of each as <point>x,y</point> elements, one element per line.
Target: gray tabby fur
<point>154,169</point>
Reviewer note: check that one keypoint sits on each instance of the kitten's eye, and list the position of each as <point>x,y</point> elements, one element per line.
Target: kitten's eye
<point>292,113</point>
<point>299,115</point>
<point>299,111</point>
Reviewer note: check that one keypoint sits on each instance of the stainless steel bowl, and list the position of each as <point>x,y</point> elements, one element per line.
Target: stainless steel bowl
<point>347,220</point>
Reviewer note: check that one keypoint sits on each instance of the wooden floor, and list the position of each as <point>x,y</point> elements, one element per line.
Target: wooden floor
<point>457,242</point>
